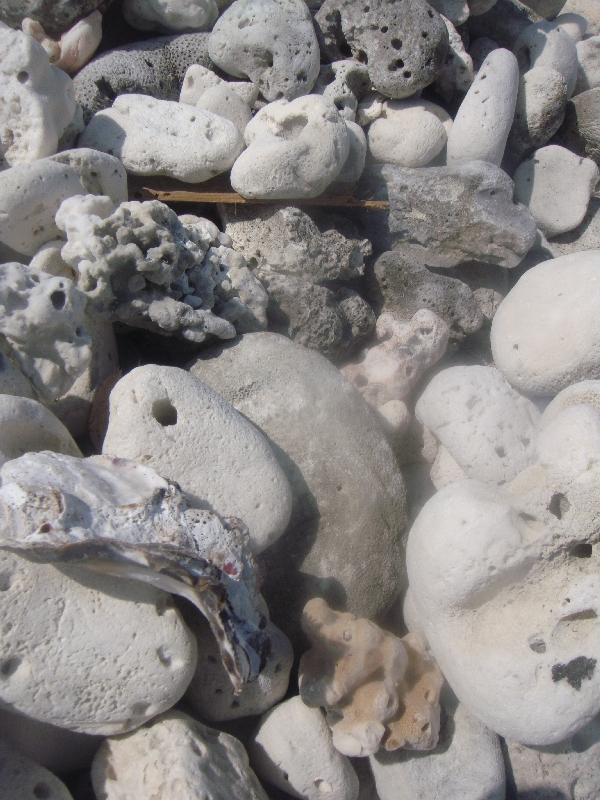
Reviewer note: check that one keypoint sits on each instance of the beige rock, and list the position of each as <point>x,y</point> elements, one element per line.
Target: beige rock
<point>27,426</point>
<point>75,47</point>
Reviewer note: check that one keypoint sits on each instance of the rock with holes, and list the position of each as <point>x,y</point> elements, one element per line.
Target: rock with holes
<point>154,420</point>
<point>292,750</point>
<point>463,212</point>
<point>344,83</point>
<point>556,186</point>
<point>545,44</point>
<point>22,778</point>
<point>57,16</point>
<point>171,15</point>
<point>271,42</point>
<point>26,426</point>
<point>466,765</point>
<point>410,133</point>
<point>378,691</point>
<point>568,769</point>
<point>38,110</point>
<point>74,667</point>
<point>175,757</point>
<point>512,574</point>
<point>389,370</point>
<point>485,117</point>
<point>348,505</point>
<point>401,285</point>
<point>31,194</point>
<point>158,137</point>
<point>484,424</point>
<point>545,334</point>
<point>75,47</point>
<point>403,46</point>
<point>295,149</point>
<point>154,67</point>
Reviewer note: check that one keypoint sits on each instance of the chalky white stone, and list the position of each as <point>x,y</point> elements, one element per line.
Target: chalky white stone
<point>217,456</point>
<point>175,757</point>
<point>160,137</point>
<point>485,116</point>
<point>546,332</point>
<point>410,133</point>
<point>556,185</point>
<point>292,749</point>
<point>171,15</point>
<point>27,426</point>
<point>543,44</point>
<point>588,57</point>
<point>295,149</point>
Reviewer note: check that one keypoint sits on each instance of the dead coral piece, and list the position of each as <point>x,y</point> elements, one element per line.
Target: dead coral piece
<point>378,691</point>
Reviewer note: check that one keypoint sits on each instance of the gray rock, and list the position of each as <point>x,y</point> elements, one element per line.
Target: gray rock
<point>463,212</point>
<point>401,285</point>
<point>271,42</point>
<point>155,67</point>
<point>404,45</point>
<point>22,778</point>
<point>581,131</point>
<point>503,22</point>
<point>545,8</point>
<point>56,16</point>
<point>344,539</point>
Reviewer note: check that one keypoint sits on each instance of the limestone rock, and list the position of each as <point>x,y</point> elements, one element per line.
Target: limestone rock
<point>378,691</point>
<point>271,42</point>
<point>175,758</point>
<point>485,116</point>
<point>159,137</point>
<point>171,15</point>
<point>292,749</point>
<point>588,57</point>
<point>76,45</point>
<point>217,457</point>
<point>589,10</point>
<point>410,133</point>
<point>544,44</point>
<point>12,380</point>
<point>343,83</point>
<point>580,132</point>
<point>232,100</point>
<point>487,427</point>
<point>22,778</point>
<point>545,333</point>
<point>453,214</point>
<point>540,110</point>
<point>26,426</point>
<point>586,393</point>
<point>404,47</point>
<point>295,149</point>
<point>38,103</point>
<point>344,477</point>
<point>556,186</point>
<point>56,16</point>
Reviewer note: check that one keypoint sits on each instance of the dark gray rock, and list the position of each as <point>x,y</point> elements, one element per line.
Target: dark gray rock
<point>503,22</point>
<point>344,542</point>
<point>463,212</point>
<point>55,15</point>
<point>155,67</point>
<point>581,129</point>
<point>403,44</point>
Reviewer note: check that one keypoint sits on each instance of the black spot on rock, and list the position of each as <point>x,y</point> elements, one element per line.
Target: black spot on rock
<point>575,671</point>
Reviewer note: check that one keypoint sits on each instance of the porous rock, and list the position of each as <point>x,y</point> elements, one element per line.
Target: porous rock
<point>22,778</point>
<point>295,149</point>
<point>556,186</point>
<point>38,104</point>
<point>344,83</point>
<point>26,426</point>
<point>404,47</point>
<point>410,133</point>
<point>487,427</point>
<point>321,431</point>
<point>271,42</point>
<point>580,132</point>
<point>155,67</point>
<point>115,686</point>
<point>463,212</point>
<point>466,765</point>
<point>292,749</point>
<point>175,757</point>
<point>378,691</point>
<point>159,137</point>
<point>171,15</point>
<point>56,16</point>
<point>154,420</point>
<point>529,336</point>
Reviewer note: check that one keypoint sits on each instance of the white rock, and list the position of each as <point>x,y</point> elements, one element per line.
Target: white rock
<point>344,83</point>
<point>457,11</point>
<point>217,457</point>
<point>573,24</point>
<point>410,133</point>
<point>295,149</point>
<point>27,426</point>
<point>160,137</point>
<point>571,440</point>
<point>225,102</point>
<point>556,185</point>
<point>588,9</point>
<point>357,154</point>
<point>588,57</point>
<point>585,393</point>
<point>31,194</point>
<point>546,332</point>
<point>38,101</point>
<point>543,44</point>
<point>75,47</point>
<point>485,117</point>
<point>292,749</point>
<point>198,79</point>
<point>487,427</point>
<point>370,108</point>
<point>21,778</point>
<point>175,758</point>
<point>106,655</point>
<point>171,15</point>
<point>506,587</point>
<point>445,469</point>
<point>466,765</point>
